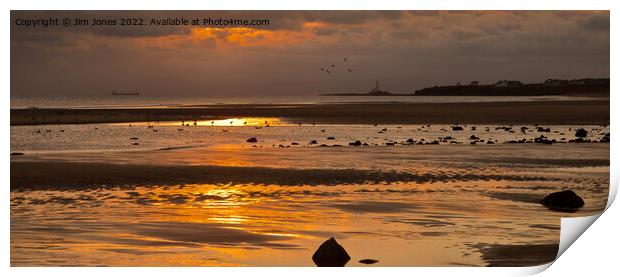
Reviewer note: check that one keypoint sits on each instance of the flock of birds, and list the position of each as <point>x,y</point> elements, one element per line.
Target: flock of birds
<point>332,67</point>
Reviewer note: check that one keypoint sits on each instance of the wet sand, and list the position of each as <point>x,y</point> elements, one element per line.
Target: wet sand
<point>591,112</point>
<point>204,197</point>
<point>84,175</point>
<point>519,255</point>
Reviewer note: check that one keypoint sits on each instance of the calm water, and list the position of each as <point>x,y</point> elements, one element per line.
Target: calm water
<point>110,101</point>
<point>453,200</point>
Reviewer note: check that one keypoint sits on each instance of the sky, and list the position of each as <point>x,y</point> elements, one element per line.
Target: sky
<point>405,50</point>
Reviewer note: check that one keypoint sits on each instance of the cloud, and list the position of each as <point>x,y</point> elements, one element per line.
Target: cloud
<point>596,22</point>
<point>407,49</point>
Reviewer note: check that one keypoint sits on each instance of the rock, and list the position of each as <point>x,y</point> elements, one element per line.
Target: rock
<point>252,140</point>
<point>566,200</point>
<point>410,141</point>
<point>294,143</point>
<point>457,128</point>
<point>356,143</point>
<point>474,137</point>
<point>330,253</point>
<point>490,142</point>
<point>581,133</point>
<point>331,138</point>
<point>17,154</point>
<point>133,138</point>
<point>541,129</point>
<point>314,142</point>
<point>542,139</point>
<point>368,261</point>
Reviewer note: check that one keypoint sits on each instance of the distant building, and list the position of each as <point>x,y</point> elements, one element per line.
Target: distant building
<point>554,83</point>
<point>377,91</point>
<point>575,82</point>
<point>474,83</point>
<point>508,84</point>
<point>596,81</point>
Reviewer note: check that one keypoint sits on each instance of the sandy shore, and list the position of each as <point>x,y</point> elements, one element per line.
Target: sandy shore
<point>519,255</point>
<point>594,112</point>
<point>52,175</point>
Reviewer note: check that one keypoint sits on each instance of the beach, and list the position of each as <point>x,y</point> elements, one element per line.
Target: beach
<point>591,111</point>
<point>305,138</point>
<point>175,193</point>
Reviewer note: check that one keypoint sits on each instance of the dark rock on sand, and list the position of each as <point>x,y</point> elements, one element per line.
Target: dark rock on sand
<point>546,130</point>
<point>410,141</point>
<point>331,138</point>
<point>368,261</point>
<point>490,142</point>
<point>133,138</point>
<point>356,143</point>
<point>330,253</point>
<point>581,133</point>
<point>566,200</point>
<point>17,154</point>
<point>542,139</point>
<point>294,143</point>
<point>252,140</point>
<point>474,137</point>
<point>457,128</point>
<point>314,142</point>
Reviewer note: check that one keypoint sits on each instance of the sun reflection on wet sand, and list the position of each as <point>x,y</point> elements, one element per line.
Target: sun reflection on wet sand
<point>206,196</point>
<point>275,225</point>
<point>216,122</point>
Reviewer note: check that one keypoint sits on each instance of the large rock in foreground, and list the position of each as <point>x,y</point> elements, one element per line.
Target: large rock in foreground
<point>330,253</point>
<point>566,201</point>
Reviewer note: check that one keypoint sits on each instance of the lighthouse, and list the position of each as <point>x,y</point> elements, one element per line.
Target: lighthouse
<point>377,91</point>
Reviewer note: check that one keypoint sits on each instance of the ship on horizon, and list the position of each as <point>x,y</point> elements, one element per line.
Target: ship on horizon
<point>114,92</point>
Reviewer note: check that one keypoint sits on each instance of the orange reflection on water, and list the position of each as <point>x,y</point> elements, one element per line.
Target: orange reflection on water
<point>257,122</point>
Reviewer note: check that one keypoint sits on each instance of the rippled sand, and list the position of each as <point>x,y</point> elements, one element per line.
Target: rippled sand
<point>224,202</point>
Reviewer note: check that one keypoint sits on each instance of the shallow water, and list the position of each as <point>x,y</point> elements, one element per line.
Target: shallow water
<point>109,101</point>
<point>443,203</point>
<point>233,133</point>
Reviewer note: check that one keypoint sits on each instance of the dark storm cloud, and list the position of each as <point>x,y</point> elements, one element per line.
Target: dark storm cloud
<point>596,22</point>
<point>406,50</point>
